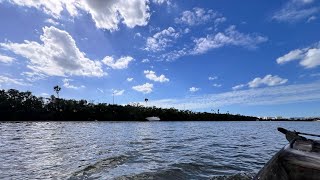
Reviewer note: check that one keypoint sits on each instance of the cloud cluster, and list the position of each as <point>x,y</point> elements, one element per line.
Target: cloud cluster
<point>194,89</point>
<point>152,76</point>
<point>230,37</point>
<point>161,40</point>
<point>144,88</point>
<point>105,14</point>
<point>121,63</point>
<point>6,59</point>
<point>268,80</point>
<point>309,57</point>
<point>198,16</point>
<point>296,10</point>
<point>168,2</point>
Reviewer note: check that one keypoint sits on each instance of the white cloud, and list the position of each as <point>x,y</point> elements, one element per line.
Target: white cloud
<point>268,80</point>
<point>216,85</point>
<point>296,10</point>
<point>51,21</point>
<point>237,87</point>
<point>211,78</point>
<point>137,35</point>
<point>230,37</point>
<point>175,54</point>
<point>145,60</point>
<point>161,40</point>
<point>168,2</point>
<point>258,96</point>
<point>145,88</point>
<point>108,14</point>
<point>52,8</point>
<point>197,16</point>
<point>194,89</point>
<point>4,80</point>
<point>34,76</point>
<point>44,94</point>
<point>152,76</point>
<point>105,14</point>
<point>309,57</point>
<point>118,92</point>
<point>66,84</point>
<point>58,55</point>
<point>129,79</point>
<point>121,63</point>
<point>312,18</point>
<point>6,59</point>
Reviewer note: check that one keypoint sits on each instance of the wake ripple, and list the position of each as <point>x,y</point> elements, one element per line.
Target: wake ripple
<point>103,165</point>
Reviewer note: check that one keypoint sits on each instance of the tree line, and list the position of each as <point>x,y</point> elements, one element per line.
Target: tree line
<point>24,106</point>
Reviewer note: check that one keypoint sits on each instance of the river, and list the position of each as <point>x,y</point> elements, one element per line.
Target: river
<point>140,150</point>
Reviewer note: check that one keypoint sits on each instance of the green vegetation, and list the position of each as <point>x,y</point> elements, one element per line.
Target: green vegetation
<point>23,106</point>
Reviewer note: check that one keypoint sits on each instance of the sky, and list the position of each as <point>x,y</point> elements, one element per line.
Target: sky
<point>259,58</point>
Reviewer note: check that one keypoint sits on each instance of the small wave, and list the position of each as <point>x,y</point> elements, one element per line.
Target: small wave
<point>240,176</point>
<point>168,174</point>
<point>102,165</point>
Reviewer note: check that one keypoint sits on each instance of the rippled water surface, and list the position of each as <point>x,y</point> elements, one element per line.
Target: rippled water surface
<point>140,150</point>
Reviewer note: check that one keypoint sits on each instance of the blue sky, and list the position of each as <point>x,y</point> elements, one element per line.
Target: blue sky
<point>249,57</point>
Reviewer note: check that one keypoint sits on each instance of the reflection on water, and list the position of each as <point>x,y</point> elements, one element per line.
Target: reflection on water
<point>140,150</point>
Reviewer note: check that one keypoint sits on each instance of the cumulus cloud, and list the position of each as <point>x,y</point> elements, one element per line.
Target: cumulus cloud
<point>105,14</point>
<point>268,80</point>
<point>129,79</point>
<point>296,10</point>
<point>108,14</point>
<point>152,76</point>
<point>6,59</point>
<point>194,89</point>
<point>66,84</point>
<point>121,63</point>
<point>230,37</point>
<point>198,16</point>
<point>57,55</point>
<point>145,88</point>
<point>4,80</point>
<point>161,40</point>
<point>309,57</point>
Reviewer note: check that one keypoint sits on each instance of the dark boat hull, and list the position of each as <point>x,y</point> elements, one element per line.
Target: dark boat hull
<point>299,161</point>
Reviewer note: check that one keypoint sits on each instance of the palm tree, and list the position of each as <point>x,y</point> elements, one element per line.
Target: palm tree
<point>146,100</point>
<point>57,90</point>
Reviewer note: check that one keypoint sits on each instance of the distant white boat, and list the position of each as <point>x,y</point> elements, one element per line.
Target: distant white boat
<point>153,118</point>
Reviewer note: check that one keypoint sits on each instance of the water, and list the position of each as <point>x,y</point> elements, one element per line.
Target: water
<point>140,150</point>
